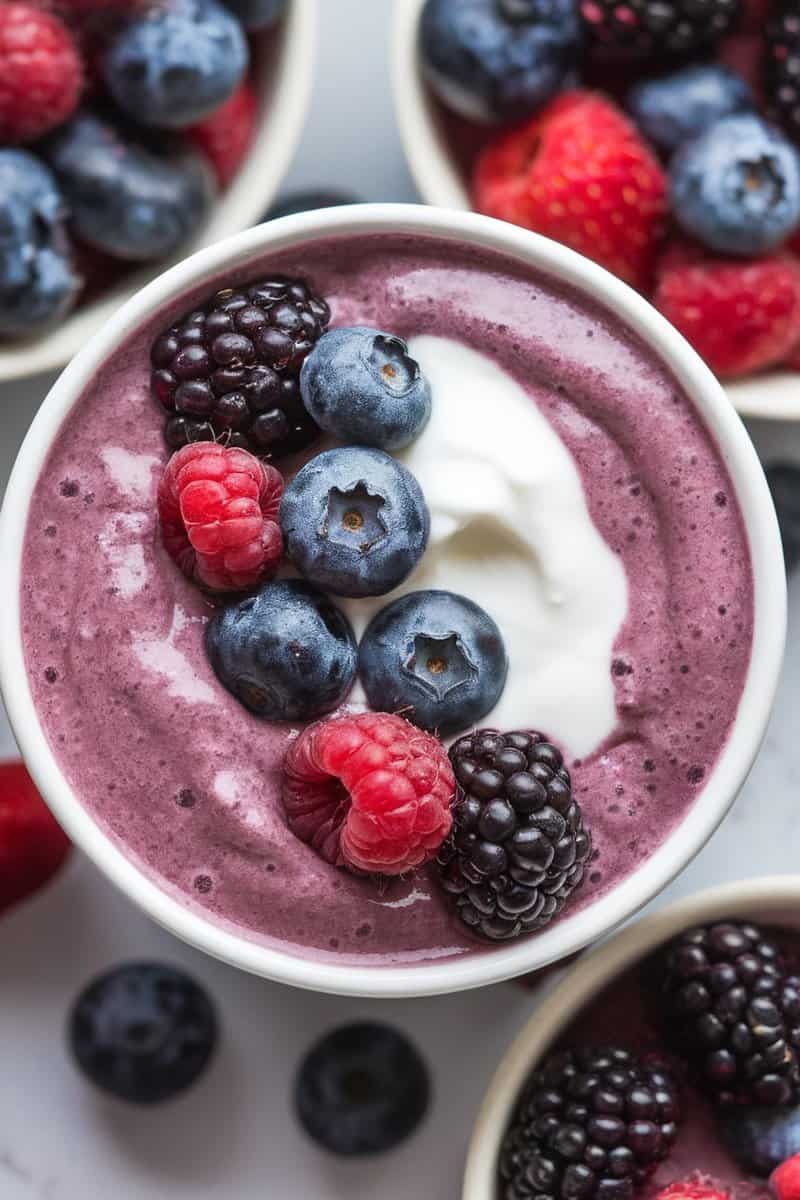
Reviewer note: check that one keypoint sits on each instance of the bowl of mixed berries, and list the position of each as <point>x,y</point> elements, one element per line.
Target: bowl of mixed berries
<point>132,132</point>
<point>665,1065</point>
<point>659,137</point>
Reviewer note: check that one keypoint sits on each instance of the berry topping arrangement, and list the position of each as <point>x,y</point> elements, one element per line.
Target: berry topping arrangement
<point>707,1085</point>
<point>660,138</point>
<point>247,379</point>
<point>120,123</point>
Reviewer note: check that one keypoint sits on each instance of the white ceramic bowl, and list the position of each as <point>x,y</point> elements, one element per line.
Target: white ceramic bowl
<point>572,932</point>
<point>440,181</point>
<point>770,900</point>
<point>284,77</point>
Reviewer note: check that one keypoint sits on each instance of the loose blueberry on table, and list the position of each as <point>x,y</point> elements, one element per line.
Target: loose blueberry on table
<point>709,1076</point>
<point>692,195</point>
<point>119,122</point>
<point>143,1032</point>
<point>362,1089</point>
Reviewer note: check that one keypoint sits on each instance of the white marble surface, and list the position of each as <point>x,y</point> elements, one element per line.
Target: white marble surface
<point>234,1135</point>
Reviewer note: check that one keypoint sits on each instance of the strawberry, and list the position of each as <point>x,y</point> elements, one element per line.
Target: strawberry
<point>580,173</point>
<point>226,135</point>
<point>32,845</point>
<point>740,316</point>
<point>784,1181</point>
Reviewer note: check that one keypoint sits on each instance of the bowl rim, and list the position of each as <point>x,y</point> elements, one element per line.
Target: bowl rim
<point>284,88</point>
<point>765,898</point>
<point>572,932</point>
<point>773,395</point>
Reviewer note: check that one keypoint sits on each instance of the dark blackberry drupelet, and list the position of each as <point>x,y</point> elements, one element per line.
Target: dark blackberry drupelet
<point>782,68</point>
<point>230,371</point>
<point>640,29</point>
<point>592,1123</point>
<point>734,1012</point>
<point>518,847</point>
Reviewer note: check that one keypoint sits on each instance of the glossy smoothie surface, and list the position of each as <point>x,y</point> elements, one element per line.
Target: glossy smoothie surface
<point>187,782</point>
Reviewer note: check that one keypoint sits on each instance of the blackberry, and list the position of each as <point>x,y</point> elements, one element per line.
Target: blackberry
<point>231,369</point>
<point>782,68</point>
<point>518,847</point>
<point>654,28</point>
<point>592,1122</point>
<point>734,1012</point>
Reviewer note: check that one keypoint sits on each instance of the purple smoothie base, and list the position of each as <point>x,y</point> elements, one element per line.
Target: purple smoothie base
<point>187,783</point>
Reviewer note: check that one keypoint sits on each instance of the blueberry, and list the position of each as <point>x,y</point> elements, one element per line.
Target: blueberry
<point>355,521</point>
<point>736,187</point>
<point>298,202</point>
<point>784,483</point>
<point>498,60</point>
<point>760,1139</point>
<point>125,199</point>
<point>257,14</point>
<point>37,284</point>
<point>176,63</point>
<point>286,653</point>
<point>362,1089</point>
<point>363,386</point>
<point>143,1032</point>
<point>677,107</point>
<point>437,658</point>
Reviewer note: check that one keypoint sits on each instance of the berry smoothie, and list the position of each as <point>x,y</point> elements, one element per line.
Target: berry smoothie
<point>714,1012</point>
<point>574,494</point>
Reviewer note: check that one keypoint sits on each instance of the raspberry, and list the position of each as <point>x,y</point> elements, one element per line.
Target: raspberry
<point>785,1179</point>
<point>225,137</point>
<point>41,74</point>
<point>32,845</point>
<point>696,1187</point>
<point>739,316</point>
<point>580,173</point>
<point>369,792</point>
<point>218,509</point>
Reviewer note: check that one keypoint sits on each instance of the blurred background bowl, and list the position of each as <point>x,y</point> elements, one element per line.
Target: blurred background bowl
<point>427,134</point>
<point>283,74</point>
<point>770,900</point>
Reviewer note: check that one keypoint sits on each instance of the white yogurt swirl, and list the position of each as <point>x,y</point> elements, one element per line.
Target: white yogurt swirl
<point>510,529</point>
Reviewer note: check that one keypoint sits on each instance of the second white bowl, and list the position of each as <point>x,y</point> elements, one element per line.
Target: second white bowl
<point>440,180</point>
<point>771,900</point>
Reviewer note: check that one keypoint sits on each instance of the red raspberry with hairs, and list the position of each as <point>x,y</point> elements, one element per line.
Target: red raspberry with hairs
<point>370,792</point>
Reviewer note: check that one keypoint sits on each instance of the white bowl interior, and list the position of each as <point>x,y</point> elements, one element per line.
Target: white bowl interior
<point>773,900</point>
<point>440,181</point>
<point>571,932</point>
<point>284,76</point>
